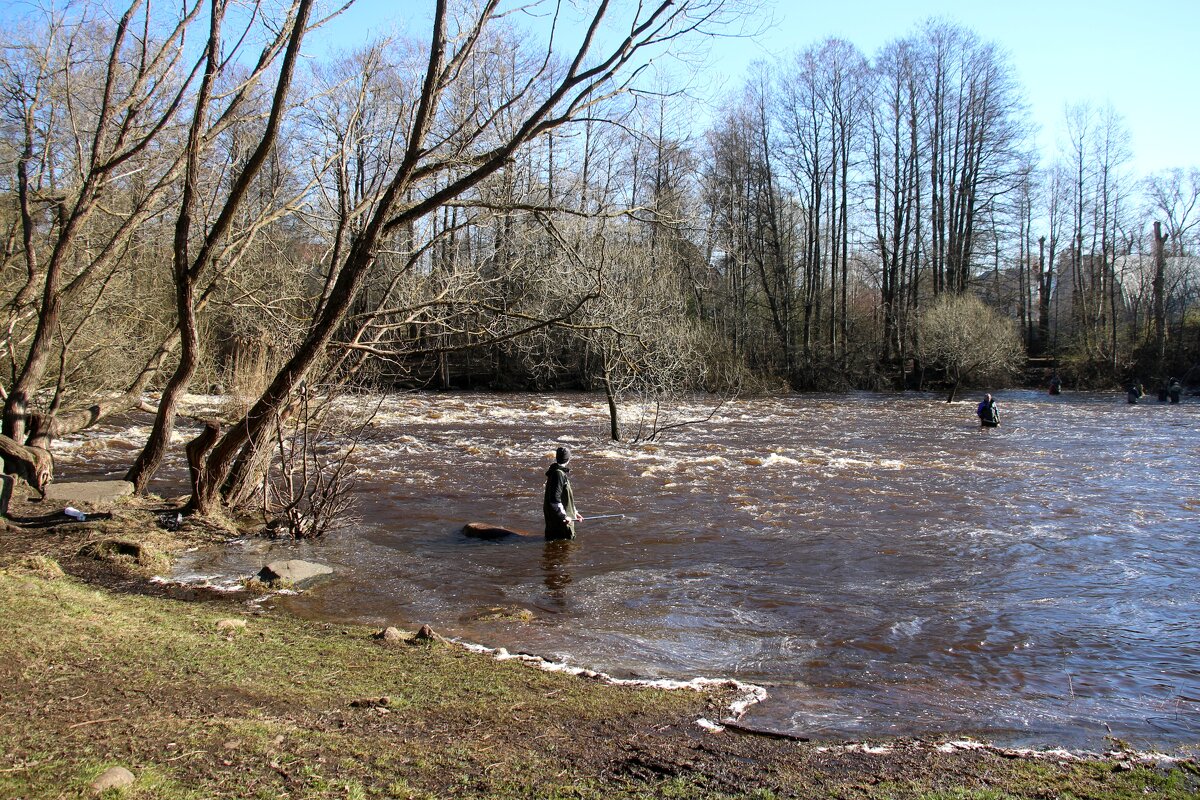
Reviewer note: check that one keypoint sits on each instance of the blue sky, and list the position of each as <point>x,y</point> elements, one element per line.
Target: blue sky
<point>1143,58</point>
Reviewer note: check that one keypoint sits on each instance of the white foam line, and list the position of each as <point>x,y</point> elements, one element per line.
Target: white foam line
<point>1136,757</point>
<point>1129,757</point>
<point>197,582</point>
<point>750,694</point>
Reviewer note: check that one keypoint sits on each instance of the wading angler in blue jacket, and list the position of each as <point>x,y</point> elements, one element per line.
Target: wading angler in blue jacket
<point>989,416</point>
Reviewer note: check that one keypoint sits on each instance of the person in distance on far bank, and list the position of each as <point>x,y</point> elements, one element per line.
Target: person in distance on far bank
<point>558,505</point>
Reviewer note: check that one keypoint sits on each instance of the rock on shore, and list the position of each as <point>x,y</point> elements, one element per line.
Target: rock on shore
<point>293,572</point>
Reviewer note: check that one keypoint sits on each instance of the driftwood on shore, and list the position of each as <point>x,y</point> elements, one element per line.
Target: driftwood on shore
<point>482,530</point>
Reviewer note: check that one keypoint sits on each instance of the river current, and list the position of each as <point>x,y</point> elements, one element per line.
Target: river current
<point>878,562</point>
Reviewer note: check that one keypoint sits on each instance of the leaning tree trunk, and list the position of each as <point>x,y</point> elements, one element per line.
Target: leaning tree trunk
<point>251,468</point>
<point>252,432</point>
<point>187,272</point>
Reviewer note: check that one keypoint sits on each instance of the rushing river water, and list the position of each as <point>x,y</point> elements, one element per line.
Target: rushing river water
<point>880,563</point>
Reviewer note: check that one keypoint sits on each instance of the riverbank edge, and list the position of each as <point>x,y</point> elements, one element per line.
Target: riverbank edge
<point>610,740</point>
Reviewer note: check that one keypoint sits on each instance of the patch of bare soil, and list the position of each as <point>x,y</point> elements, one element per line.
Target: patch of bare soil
<point>116,547</point>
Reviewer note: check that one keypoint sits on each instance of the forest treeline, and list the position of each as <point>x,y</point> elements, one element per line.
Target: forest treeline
<point>207,194</point>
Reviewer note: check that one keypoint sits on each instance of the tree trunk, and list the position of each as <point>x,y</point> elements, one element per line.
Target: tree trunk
<point>196,449</point>
<point>252,465</point>
<point>1043,283</point>
<point>187,272</point>
<point>209,477</point>
<point>1160,314</point>
<point>151,456</point>
<point>614,425</point>
<point>32,464</point>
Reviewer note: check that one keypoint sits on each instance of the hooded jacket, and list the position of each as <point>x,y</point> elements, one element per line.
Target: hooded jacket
<point>558,500</point>
<point>988,413</point>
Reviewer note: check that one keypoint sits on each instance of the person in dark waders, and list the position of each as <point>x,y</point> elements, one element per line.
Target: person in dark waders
<point>559,504</point>
<point>989,416</point>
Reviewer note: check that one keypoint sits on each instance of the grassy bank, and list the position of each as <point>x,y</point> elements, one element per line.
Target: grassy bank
<point>212,699</point>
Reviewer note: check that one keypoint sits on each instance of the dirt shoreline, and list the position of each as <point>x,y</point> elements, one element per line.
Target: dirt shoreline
<point>217,699</point>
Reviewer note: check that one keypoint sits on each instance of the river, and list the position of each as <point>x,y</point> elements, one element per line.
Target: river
<point>877,561</point>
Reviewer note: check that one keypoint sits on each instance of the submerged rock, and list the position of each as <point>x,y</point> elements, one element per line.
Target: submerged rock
<point>482,530</point>
<point>503,614</point>
<point>293,572</point>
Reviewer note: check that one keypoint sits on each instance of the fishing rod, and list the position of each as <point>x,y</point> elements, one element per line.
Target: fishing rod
<point>603,516</point>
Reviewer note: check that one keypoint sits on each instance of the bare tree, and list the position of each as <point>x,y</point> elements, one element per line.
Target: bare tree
<point>974,136</point>
<point>969,340</point>
<point>1173,198</point>
<point>895,168</point>
<point>1097,153</point>
<point>445,157</point>
<point>90,99</point>
<point>1055,213</point>
<point>188,266</point>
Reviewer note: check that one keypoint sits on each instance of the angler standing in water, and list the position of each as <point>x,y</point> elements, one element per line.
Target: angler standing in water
<point>558,506</point>
<point>989,416</point>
